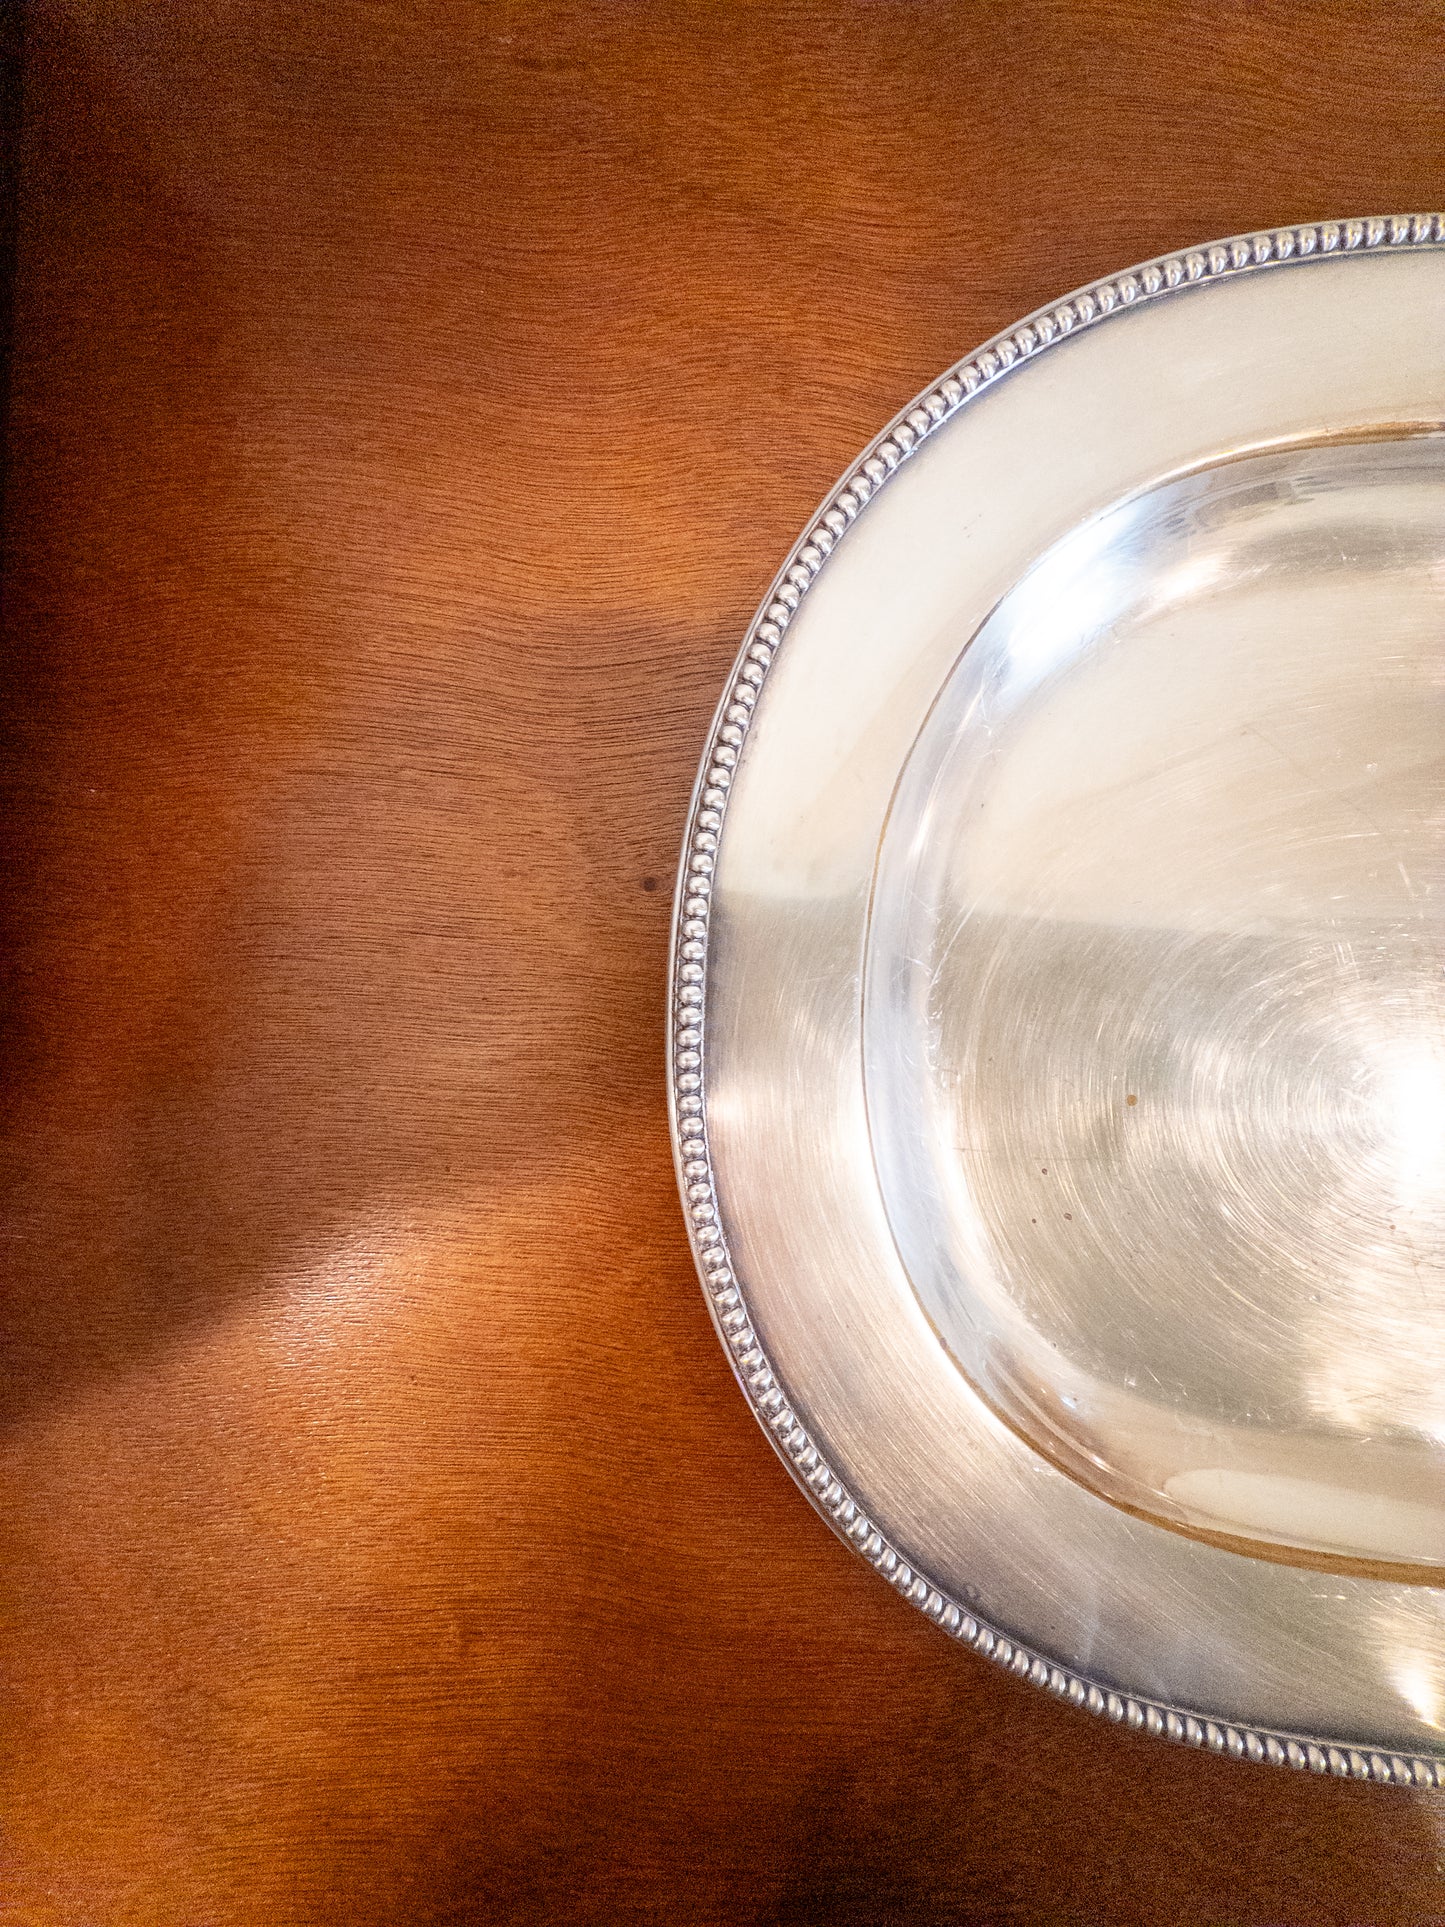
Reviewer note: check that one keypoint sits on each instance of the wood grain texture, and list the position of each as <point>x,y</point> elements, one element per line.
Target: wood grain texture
<point>410,403</point>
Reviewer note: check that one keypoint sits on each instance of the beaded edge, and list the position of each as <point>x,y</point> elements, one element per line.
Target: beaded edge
<point>724,1291</point>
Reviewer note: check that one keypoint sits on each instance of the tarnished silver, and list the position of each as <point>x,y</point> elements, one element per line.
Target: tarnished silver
<point>1058,1054</point>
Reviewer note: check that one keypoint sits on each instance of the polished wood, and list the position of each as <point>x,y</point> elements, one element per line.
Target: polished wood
<point>409,404</point>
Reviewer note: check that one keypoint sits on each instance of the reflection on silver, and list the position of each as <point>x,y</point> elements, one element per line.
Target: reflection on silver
<point>1058,1049</point>
<point>1155,1038</point>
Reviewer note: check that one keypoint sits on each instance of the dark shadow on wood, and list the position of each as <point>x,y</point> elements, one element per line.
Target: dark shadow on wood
<point>12,65</point>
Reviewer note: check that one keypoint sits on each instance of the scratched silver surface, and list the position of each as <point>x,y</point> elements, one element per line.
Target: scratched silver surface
<point>1155,1038</point>
<point>1103,761</point>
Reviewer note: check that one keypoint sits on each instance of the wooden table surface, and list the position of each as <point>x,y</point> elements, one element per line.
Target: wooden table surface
<point>409,404</point>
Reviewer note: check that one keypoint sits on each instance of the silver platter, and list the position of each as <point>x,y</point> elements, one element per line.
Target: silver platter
<point>1058,1062</point>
